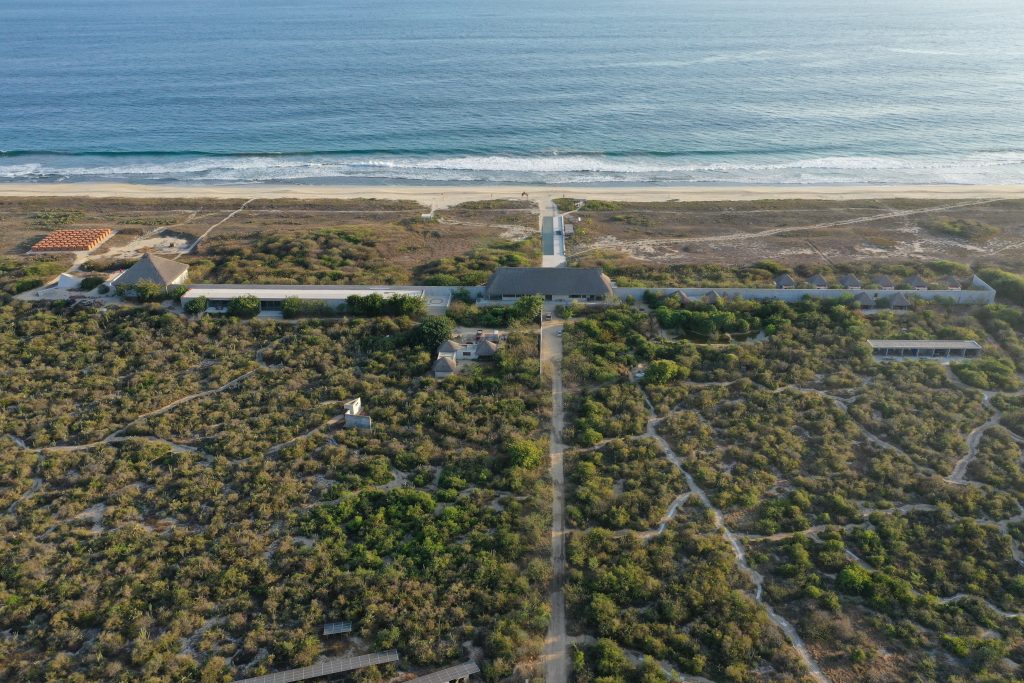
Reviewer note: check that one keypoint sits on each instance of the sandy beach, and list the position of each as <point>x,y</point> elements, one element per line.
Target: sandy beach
<point>444,196</point>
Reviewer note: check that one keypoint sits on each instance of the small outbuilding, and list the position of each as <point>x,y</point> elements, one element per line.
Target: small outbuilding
<point>150,268</point>
<point>784,281</point>
<point>449,349</point>
<point>849,281</point>
<point>354,416</point>
<point>485,348</point>
<point>444,367</point>
<point>899,302</point>
<point>952,282</point>
<point>916,282</point>
<point>818,281</point>
<point>884,282</point>
<point>713,297</point>
<point>864,300</point>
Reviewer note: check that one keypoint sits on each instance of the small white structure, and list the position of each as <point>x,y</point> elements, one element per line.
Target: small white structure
<point>354,414</point>
<point>451,352</point>
<point>69,281</point>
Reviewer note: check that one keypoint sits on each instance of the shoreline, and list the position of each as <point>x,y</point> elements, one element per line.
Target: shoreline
<point>442,196</point>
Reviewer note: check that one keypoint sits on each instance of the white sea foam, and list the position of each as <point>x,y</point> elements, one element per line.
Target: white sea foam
<point>981,168</point>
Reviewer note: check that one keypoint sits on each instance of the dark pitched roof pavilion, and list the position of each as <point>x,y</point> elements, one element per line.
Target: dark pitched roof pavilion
<point>153,268</point>
<point>588,282</point>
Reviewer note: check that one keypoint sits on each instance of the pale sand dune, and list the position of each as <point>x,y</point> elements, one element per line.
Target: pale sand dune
<point>443,196</point>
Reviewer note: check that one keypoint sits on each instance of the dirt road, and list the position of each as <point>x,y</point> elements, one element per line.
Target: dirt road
<point>556,647</point>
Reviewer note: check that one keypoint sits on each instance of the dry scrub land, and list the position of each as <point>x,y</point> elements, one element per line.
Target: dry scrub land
<point>798,231</point>
<point>287,241</point>
<point>740,490</point>
<point>178,502</point>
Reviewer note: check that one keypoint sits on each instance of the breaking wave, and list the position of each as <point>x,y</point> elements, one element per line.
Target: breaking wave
<point>981,168</point>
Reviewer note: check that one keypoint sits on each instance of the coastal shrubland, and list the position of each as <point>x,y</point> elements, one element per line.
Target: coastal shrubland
<point>885,536</point>
<point>178,501</point>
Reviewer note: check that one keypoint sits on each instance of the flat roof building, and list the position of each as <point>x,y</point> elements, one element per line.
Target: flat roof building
<point>554,284</point>
<point>271,296</point>
<point>924,348</point>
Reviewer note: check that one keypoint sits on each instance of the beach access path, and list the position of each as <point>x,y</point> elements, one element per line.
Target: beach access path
<point>556,645</point>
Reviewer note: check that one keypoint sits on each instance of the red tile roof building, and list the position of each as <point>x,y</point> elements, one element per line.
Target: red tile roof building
<point>73,240</point>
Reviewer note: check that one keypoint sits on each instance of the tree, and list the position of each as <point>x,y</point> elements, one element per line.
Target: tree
<point>525,453</point>
<point>433,332</point>
<point>661,372</point>
<point>245,306</point>
<point>147,290</point>
<point>854,579</point>
<point>527,308</point>
<point>91,282</point>
<point>404,304</point>
<point>197,305</point>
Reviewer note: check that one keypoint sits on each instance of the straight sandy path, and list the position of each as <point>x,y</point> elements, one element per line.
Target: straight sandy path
<point>556,646</point>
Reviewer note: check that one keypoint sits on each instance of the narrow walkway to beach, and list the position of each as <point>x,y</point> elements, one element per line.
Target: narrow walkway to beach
<point>556,647</point>
<point>192,248</point>
<point>552,235</point>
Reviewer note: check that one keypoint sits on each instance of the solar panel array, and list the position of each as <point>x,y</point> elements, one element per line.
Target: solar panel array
<point>334,665</point>
<point>452,673</point>
<point>333,628</point>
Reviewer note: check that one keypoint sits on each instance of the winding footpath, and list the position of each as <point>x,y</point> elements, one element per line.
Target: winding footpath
<point>741,557</point>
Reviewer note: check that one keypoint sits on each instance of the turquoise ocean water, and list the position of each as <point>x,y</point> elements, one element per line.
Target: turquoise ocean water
<point>539,91</point>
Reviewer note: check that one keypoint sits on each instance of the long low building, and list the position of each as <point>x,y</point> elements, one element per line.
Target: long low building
<point>924,348</point>
<point>271,296</point>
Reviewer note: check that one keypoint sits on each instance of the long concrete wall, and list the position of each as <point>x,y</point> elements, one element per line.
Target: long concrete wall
<point>978,293</point>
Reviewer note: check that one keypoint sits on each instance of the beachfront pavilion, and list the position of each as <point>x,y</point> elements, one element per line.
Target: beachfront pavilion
<point>924,348</point>
<point>554,284</point>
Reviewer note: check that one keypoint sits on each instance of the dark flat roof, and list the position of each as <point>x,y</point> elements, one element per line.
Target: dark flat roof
<point>923,344</point>
<point>450,674</point>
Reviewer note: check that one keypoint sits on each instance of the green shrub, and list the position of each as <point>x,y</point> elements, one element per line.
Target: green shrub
<point>197,305</point>
<point>294,307</point>
<point>92,282</point>
<point>246,306</point>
